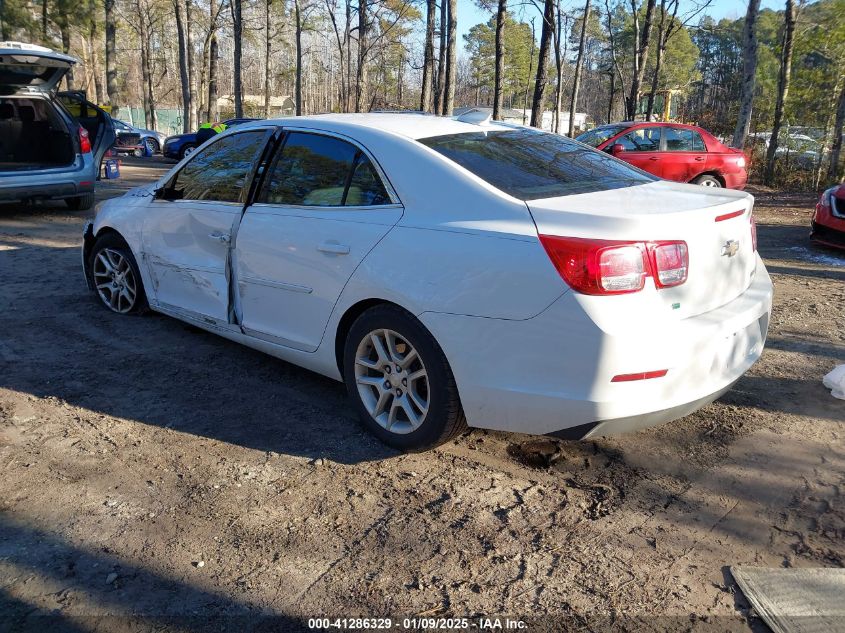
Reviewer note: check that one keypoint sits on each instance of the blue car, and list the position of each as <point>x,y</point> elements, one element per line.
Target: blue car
<point>151,140</point>
<point>180,145</point>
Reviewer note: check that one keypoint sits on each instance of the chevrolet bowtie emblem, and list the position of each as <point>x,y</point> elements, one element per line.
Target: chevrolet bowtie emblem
<point>730,248</point>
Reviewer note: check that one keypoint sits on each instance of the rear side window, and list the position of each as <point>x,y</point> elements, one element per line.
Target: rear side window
<point>322,171</point>
<point>596,137</point>
<point>530,164</point>
<point>683,140</point>
<point>220,171</point>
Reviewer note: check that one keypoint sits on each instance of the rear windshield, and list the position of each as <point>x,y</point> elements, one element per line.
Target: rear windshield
<point>596,137</point>
<point>530,164</point>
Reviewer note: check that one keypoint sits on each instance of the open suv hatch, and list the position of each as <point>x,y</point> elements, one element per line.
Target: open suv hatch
<point>51,144</point>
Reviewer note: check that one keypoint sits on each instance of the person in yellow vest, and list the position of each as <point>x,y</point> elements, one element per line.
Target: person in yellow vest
<point>208,129</point>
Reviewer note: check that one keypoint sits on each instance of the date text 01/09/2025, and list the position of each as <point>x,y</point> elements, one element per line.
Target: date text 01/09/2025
<point>418,624</point>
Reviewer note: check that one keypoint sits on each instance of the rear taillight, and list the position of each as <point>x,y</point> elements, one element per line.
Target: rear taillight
<point>670,263</point>
<point>84,141</point>
<point>753,233</point>
<point>602,267</point>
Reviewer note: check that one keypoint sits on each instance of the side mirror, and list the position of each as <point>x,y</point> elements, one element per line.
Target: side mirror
<point>617,149</point>
<point>167,193</point>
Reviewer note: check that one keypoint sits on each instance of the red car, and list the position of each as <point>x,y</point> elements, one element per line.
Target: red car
<point>673,151</point>
<point>829,218</point>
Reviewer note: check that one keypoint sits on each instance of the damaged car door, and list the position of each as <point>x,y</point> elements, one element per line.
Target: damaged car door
<point>189,227</point>
<point>322,207</point>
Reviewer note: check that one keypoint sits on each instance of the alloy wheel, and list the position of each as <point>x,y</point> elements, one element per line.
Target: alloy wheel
<point>392,381</point>
<point>115,280</point>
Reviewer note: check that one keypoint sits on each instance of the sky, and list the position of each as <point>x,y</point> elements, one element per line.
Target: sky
<point>469,14</point>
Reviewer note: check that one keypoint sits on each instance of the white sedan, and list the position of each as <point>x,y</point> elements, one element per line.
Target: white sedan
<point>452,272</point>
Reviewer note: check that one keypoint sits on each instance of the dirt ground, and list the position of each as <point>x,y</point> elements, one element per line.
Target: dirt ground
<point>156,477</point>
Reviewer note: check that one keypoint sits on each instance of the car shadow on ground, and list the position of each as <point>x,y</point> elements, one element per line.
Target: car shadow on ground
<point>77,584</point>
<point>57,341</point>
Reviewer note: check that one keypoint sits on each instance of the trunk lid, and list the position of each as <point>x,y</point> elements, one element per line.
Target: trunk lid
<point>31,67</point>
<point>722,260</point>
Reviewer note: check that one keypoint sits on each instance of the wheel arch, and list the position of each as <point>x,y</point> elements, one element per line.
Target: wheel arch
<point>348,318</point>
<point>715,174</point>
<point>89,240</point>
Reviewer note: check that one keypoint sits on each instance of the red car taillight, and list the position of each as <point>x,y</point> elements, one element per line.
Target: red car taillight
<point>602,267</point>
<point>84,141</point>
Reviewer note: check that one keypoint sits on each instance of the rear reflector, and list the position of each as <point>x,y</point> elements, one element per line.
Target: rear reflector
<point>728,216</point>
<point>641,376</point>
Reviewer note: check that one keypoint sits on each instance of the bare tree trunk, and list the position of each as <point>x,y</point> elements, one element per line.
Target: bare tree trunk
<point>613,55</point>
<point>111,56</point>
<point>784,76</point>
<point>576,82</point>
<point>428,57</point>
<point>451,59</point>
<point>238,28</point>
<point>213,55</point>
<point>189,51</point>
<point>150,119</point>
<point>836,150</point>
<point>612,94</point>
<point>179,9</point>
<point>439,94</point>
<point>562,20</point>
<point>44,4</point>
<point>498,87</point>
<point>663,33</point>
<point>749,73</point>
<point>640,54</point>
<point>363,43</point>
<point>298,90</point>
<point>530,71</point>
<point>64,28</point>
<point>538,102</point>
<point>94,44</point>
<point>267,50</point>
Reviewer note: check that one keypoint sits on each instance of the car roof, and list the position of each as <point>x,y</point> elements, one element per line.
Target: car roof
<point>411,125</point>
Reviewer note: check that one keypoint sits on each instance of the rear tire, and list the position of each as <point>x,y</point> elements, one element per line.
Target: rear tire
<point>708,181</point>
<point>400,381</point>
<point>114,275</point>
<point>80,203</point>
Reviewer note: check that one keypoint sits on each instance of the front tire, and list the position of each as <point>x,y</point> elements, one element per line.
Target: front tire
<point>115,277</point>
<point>708,181</point>
<point>400,381</point>
<point>151,146</point>
<point>187,150</point>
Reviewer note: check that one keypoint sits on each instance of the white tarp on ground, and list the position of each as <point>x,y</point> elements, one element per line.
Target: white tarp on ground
<point>835,381</point>
<point>795,600</point>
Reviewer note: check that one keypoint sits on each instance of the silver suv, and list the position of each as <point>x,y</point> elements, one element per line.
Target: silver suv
<point>51,144</point>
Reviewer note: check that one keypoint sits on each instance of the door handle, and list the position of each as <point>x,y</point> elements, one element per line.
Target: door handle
<point>654,158</point>
<point>699,159</point>
<point>223,238</point>
<point>334,248</point>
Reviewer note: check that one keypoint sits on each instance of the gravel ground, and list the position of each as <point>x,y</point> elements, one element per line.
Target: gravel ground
<point>156,477</point>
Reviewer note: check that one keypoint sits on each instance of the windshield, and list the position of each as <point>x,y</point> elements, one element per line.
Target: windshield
<point>596,137</point>
<point>530,164</point>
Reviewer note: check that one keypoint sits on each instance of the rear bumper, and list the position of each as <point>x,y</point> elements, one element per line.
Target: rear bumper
<point>75,180</point>
<point>736,181</point>
<point>553,374</point>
